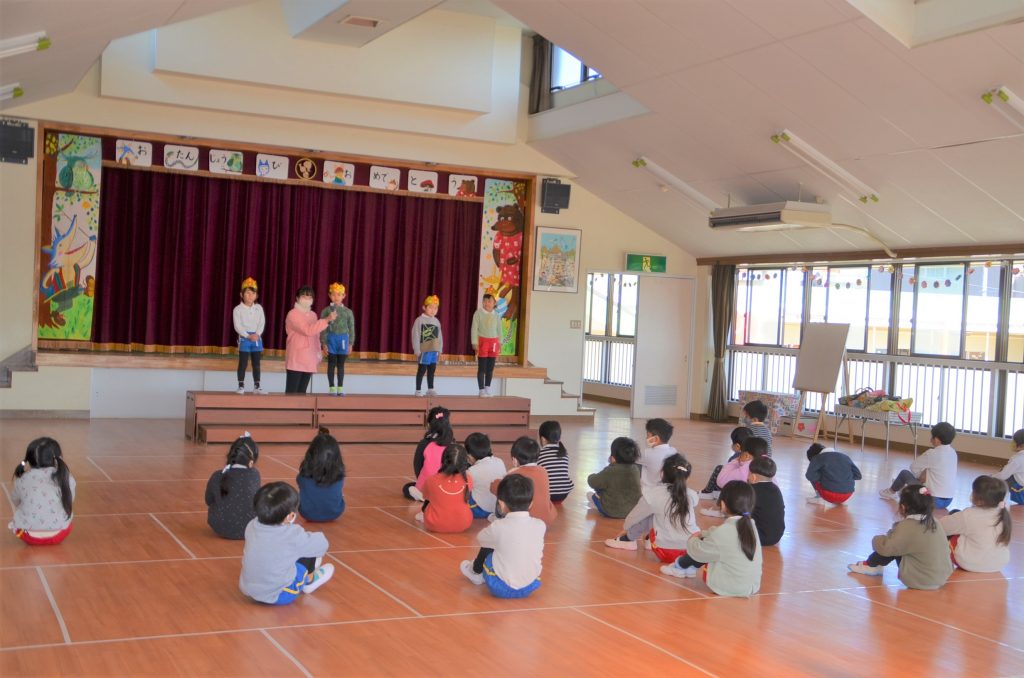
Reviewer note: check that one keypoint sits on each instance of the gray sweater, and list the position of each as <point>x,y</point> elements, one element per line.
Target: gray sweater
<point>426,335</point>
<point>268,561</point>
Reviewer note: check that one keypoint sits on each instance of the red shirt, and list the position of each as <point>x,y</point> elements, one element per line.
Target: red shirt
<point>448,510</point>
<point>541,507</point>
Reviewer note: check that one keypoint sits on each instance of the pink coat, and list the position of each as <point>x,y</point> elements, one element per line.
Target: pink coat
<point>302,347</point>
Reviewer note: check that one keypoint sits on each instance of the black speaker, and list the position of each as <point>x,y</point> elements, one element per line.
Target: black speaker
<point>554,196</point>
<point>17,141</point>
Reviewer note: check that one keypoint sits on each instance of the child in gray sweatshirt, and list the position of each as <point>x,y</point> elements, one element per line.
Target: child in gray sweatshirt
<point>281,559</point>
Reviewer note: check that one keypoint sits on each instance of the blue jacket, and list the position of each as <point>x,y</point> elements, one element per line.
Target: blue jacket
<point>320,502</point>
<point>834,470</point>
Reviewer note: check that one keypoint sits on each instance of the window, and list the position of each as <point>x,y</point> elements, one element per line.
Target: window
<point>938,309</point>
<point>1015,343</point>
<point>611,304</point>
<point>568,71</point>
<point>769,306</point>
<point>981,326</point>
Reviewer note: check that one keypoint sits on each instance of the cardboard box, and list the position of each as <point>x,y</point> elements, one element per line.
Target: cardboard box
<point>805,426</point>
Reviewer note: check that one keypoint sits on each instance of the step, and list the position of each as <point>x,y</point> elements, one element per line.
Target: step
<point>225,416</point>
<point>251,401</point>
<point>284,433</point>
<point>219,433</point>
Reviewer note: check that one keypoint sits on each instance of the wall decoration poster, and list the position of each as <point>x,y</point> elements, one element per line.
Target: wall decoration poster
<point>461,184</point>
<point>133,153</point>
<point>387,178</point>
<point>646,263</point>
<point>339,173</point>
<point>181,157</point>
<point>225,162</point>
<point>501,253</point>
<point>271,166</point>
<point>422,181</point>
<point>69,244</point>
<point>305,168</point>
<point>557,261</point>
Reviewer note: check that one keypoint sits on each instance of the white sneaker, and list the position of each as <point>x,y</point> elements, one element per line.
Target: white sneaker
<point>241,390</point>
<point>863,568</point>
<point>619,544</point>
<point>466,568</point>
<point>483,393</point>
<point>821,501</point>
<point>419,517</point>
<point>419,394</point>
<point>415,493</point>
<point>709,495</point>
<point>320,577</point>
<point>889,494</point>
<point>260,391</point>
<point>487,392</point>
<point>431,392</point>
<point>673,570</point>
<point>712,513</point>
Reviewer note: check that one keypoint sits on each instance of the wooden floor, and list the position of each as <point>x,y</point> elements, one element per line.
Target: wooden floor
<point>142,587</point>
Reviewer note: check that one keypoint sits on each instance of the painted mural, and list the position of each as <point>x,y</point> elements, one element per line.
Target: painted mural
<point>501,256</point>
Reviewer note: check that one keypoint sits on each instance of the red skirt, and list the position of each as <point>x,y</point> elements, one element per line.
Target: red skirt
<point>43,541</point>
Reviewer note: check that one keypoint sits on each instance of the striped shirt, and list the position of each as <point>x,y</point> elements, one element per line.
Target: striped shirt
<point>557,468</point>
<point>761,431</point>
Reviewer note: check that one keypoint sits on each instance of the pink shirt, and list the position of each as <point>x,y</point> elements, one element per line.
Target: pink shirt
<point>733,470</point>
<point>431,463</point>
<point>302,347</point>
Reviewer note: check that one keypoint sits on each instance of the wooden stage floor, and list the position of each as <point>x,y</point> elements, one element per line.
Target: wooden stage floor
<point>142,587</point>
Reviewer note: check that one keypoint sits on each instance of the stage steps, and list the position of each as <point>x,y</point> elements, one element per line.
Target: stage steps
<point>220,417</point>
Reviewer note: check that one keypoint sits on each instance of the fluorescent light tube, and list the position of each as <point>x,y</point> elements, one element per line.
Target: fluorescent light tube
<point>672,181</point>
<point>12,91</point>
<point>1001,98</point>
<point>31,42</point>
<point>819,161</point>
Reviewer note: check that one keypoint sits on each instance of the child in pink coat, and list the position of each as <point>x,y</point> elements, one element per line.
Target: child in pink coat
<point>302,346</point>
<point>738,468</point>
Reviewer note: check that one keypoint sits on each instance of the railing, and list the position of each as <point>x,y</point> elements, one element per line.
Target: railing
<point>966,393</point>
<point>609,360</point>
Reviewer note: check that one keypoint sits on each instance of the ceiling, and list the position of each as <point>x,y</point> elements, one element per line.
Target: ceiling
<point>718,77</point>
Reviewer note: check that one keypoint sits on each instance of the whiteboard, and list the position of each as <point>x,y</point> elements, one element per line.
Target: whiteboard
<point>821,357</point>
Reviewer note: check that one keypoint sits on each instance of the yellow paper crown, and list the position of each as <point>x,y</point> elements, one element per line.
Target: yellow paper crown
<point>336,287</point>
<point>249,282</point>
<point>432,300</point>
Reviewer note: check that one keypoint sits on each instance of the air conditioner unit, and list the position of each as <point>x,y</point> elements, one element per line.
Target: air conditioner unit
<point>774,216</point>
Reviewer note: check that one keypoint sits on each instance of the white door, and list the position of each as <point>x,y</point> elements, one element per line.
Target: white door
<point>664,346</point>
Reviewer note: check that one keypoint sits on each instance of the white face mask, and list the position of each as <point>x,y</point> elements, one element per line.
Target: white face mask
<point>304,304</point>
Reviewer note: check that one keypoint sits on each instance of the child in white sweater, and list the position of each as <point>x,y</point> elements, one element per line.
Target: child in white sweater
<point>979,536</point>
<point>935,469</point>
<point>1013,472</point>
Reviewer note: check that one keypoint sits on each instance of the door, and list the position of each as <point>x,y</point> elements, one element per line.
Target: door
<point>664,346</point>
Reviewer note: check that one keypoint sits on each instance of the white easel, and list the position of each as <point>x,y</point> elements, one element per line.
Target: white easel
<point>822,356</point>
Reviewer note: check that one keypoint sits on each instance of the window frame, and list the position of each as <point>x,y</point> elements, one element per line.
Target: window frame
<point>587,73</point>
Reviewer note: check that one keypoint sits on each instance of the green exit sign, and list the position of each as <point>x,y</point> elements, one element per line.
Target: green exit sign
<point>645,263</point>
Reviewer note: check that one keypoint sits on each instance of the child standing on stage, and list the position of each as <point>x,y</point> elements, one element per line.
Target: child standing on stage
<point>832,475</point>
<point>979,536</point>
<point>485,470</point>
<point>917,543</point>
<point>42,494</point>
<point>1013,472</point>
<point>511,548</point>
<point>336,341</point>
<point>729,555</point>
<point>446,494</point>
<point>281,559</point>
<point>935,469</point>
<point>555,460</point>
<point>427,344</point>
<point>230,491</point>
<point>617,487</point>
<point>321,479</point>
<point>665,514</point>
<point>249,321</point>
<point>486,339</point>
<point>302,347</point>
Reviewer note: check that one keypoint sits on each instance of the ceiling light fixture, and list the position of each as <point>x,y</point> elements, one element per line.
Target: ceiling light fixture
<point>30,42</point>
<point>819,161</point>
<point>672,181</point>
<point>1001,98</point>
<point>12,91</point>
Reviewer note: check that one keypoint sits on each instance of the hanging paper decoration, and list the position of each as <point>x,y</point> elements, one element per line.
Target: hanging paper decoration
<point>859,282</point>
<point>912,281</point>
<point>988,264</point>
<point>948,283</point>
<point>848,285</point>
<point>1016,270</point>
<point>959,276</point>
<point>970,271</point>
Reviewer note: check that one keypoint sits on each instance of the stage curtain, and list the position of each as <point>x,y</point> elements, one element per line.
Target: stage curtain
<point>176,247</point>
<point>723,305</point>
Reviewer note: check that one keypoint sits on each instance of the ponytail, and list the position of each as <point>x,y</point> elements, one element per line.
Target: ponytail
<point>738,498</point>
<point>562,452</point>
<point>551,431</point>
<point>990,492</point>
<point>455,460</point>
<point>46,453</point>
<point>1006,527</point>
<point>242,452</point>
<point>675,471</point>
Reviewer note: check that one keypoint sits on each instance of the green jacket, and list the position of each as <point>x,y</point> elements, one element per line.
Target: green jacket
<point>486,325</point>
<point>924,554</point>
<point>345,323</point>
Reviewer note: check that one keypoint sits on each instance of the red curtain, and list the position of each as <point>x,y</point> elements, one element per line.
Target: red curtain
<point>175,247</point>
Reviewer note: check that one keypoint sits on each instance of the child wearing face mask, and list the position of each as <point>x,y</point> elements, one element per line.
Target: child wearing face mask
<point>658,450</point>
<point>302,347</point>
<point>281,559</point>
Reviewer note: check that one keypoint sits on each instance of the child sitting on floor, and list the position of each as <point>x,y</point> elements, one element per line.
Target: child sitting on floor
<point>321,479</point>
<point>738,468</point>
<point>737,436</point>
<point>511,548</point>
<point>555,460</point>
<point>617,487</point>
<point>281,559</point>
<point>438,436</point>
<point>664,514</point>
<point>832,475</point>
<point>728,555</point>
<point>446,494</point>
<point>1013,471</point>
<point>659,432</point>
<point>917,543</point>
<point>485,469</point>
<point>769,512</point>
<point>754,415</point>
<point>979,536</point>
<point>42,495</point>
<point>230,491</point>
<point>935,469</point>
<point>525,452</point>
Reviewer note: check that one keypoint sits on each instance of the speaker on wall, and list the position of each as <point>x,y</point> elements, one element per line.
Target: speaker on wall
<point>554,196</point>
<point>17,141</point>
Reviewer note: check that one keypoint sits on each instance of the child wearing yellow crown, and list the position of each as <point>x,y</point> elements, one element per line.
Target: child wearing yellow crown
<point>336,341</point>
<point>249,320</point>
<point>427,344</point>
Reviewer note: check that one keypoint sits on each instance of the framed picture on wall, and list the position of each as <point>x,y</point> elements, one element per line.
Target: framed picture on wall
<point>557,260</point>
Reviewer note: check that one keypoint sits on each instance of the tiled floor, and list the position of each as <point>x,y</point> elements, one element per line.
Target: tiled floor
<point>143,587</point>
